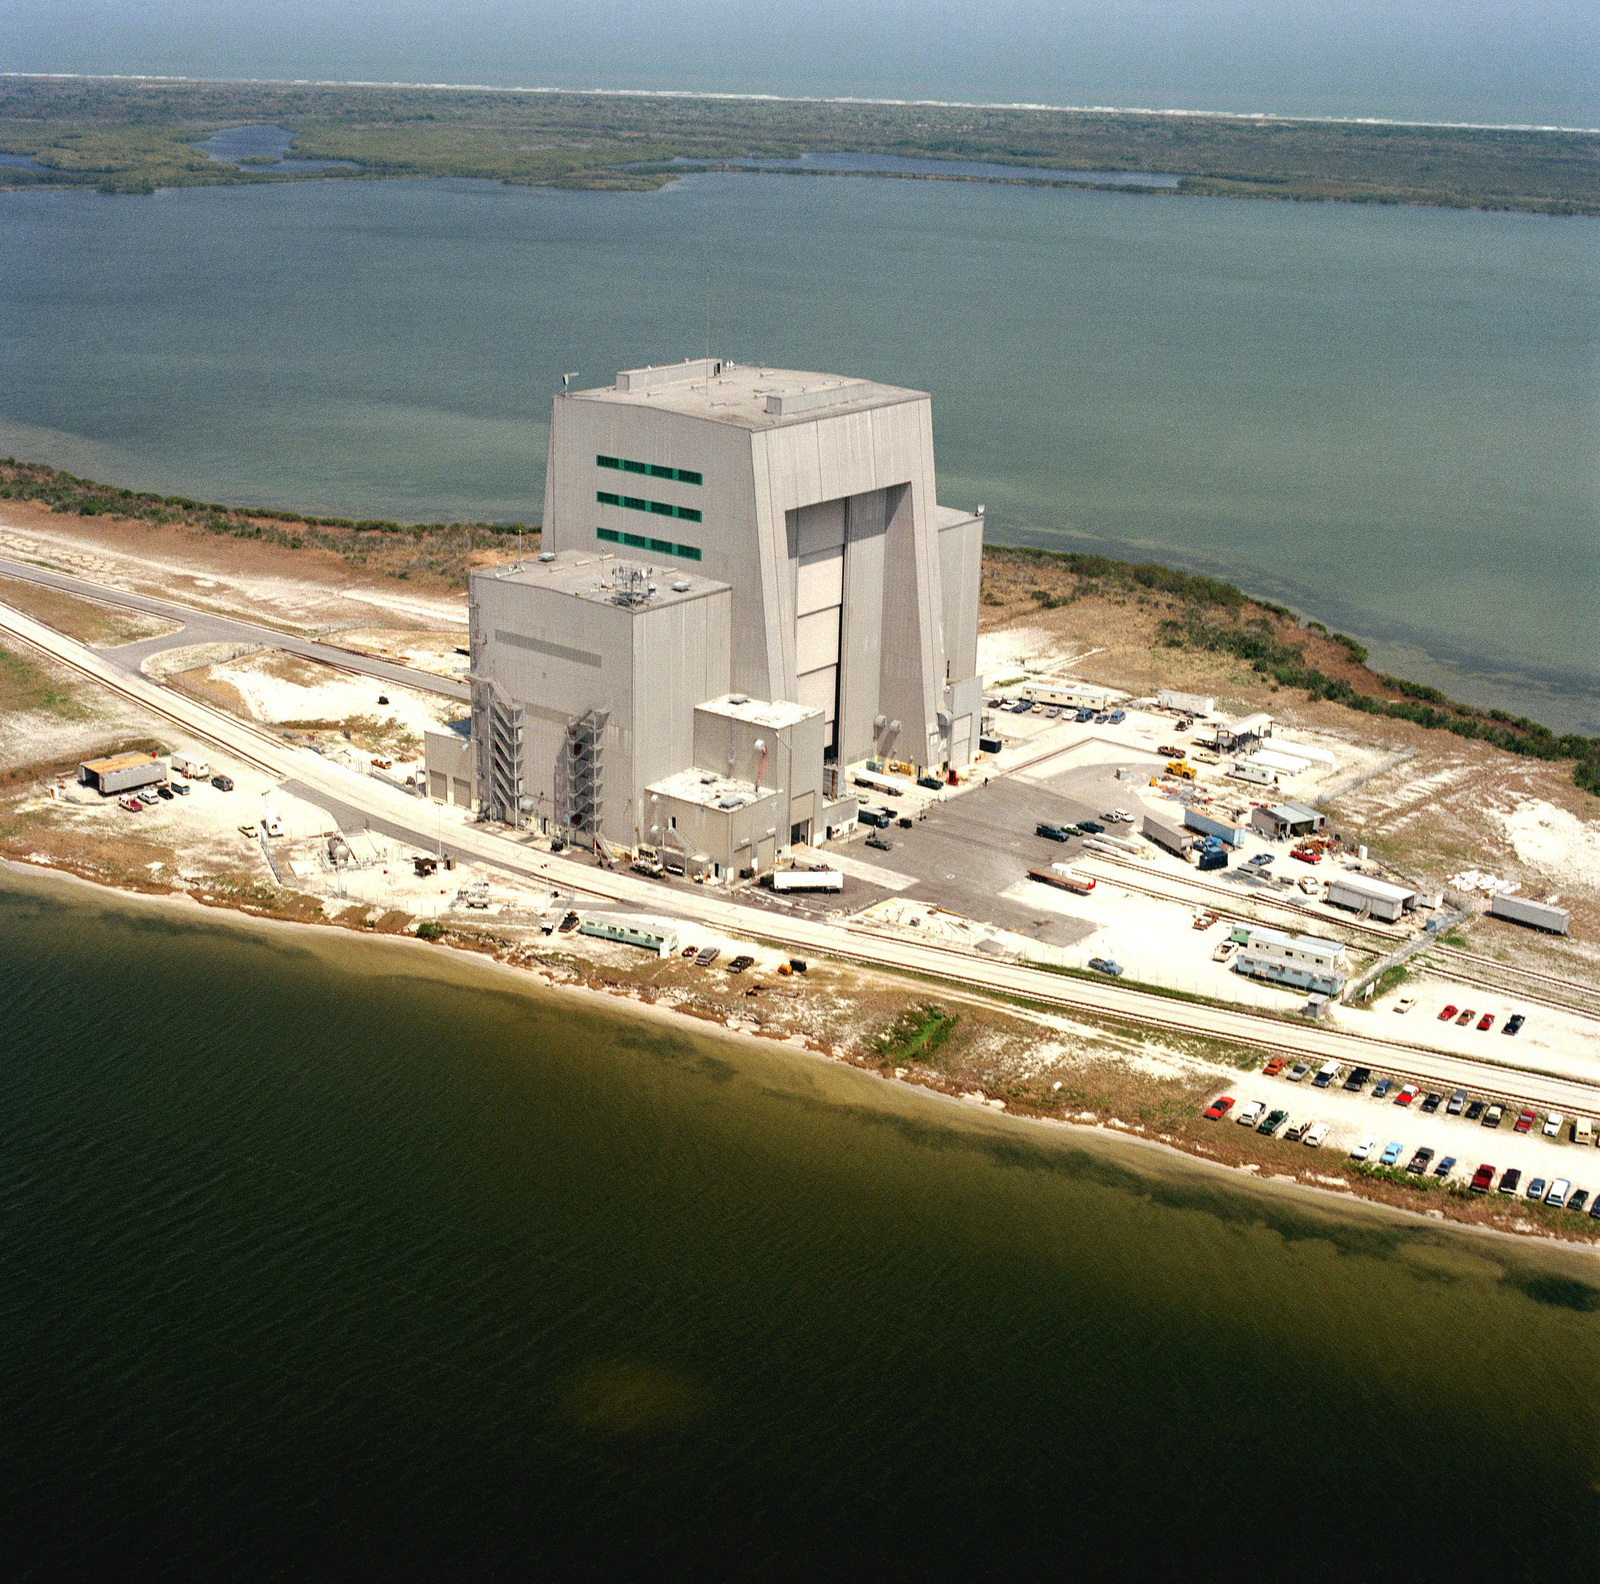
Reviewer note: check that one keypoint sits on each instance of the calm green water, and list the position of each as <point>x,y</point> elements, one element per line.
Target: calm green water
<point>1385,417</point>
<point>322,1254</point>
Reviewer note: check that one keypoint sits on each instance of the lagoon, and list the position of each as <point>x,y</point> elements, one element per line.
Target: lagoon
<point>1385,417</point>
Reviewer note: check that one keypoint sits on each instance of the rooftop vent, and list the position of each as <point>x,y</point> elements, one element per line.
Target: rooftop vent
<point>680,587</point>
<point>738,698</point>
<point>781,404</point>
<point>547,555</point>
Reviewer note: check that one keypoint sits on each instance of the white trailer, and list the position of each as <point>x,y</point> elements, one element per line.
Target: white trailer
<point>1541,915</point>
<point>187,765</point>
<point>807,880</point>
<point>1185,703</point>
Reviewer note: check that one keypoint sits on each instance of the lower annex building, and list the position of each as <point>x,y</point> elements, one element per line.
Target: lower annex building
<point>745,584</point>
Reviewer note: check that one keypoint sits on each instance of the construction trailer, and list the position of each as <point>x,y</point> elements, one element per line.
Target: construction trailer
<point>124,772</point>
<point>1379,898</point>
<point>1178,842</point>
<point>631,932</point>
<point>1303,961</point>
<point>1538,915</point>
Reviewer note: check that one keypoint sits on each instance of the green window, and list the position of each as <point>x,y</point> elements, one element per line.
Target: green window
<point>651,469</point>
<point>641,542</point>
<point>661,509</point>
<point>689,513</point>
<point>606,498</point>
<point>633,503</point>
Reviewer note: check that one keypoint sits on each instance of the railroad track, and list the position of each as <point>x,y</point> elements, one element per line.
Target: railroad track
<point>1569,986</point>
<point>1232,897</point>
<point>1521,993</point>
<point>1082,997</point>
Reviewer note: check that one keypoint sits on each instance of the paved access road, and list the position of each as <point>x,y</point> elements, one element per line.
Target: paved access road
<point>205,627</point>
<point>407,819</point>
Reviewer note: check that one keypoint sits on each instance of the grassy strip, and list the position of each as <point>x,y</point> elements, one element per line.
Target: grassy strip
<point>915,1035</point>
<point>27,688</point>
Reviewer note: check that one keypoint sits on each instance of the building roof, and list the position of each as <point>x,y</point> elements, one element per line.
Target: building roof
<point>1247,726</point>
<point>633,582</point>
<point>711,790</point>
<point>779,714</point>
<point>1313,943</point>
<point>749,398</point>
<point>127,761</point>
<point>1367,885</point>
<point>1294,813</point>
<point>1290,764</point>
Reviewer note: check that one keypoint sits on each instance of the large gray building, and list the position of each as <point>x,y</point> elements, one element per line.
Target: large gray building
<point>745,575</point>
<point>812,498</point>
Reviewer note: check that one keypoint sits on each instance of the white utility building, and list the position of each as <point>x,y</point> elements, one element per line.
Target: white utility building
<point>745,578</point>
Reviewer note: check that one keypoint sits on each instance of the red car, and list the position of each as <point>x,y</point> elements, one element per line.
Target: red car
<point>1486,1022</point>
<point>1465,1018</point>
<point>1307,855</point>
<point>1219,1108</point>
<point>1448,1013</point>
<point>1524,1122</point>
<point>1481,1179</point>
<point>1407,1095</point>
<point>1275,1066</point>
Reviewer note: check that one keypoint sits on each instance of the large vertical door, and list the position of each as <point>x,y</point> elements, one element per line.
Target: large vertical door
<point>818,607</point>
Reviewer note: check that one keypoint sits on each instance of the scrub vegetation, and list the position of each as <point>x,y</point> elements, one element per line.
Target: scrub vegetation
<point>132,137</point>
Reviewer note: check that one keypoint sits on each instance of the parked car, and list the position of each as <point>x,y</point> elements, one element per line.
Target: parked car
<point>1405,1003</point>
<point>1513,1023</point>
<point>1465,1018</point>
<point>1325,1075</point>
<point>164,793</point>
<point>1050,832</point>
<point>1536,1188</point>
<point>878,844</point>
<point>1297,1072</point>
<point>1510,1180</point>
<point>1418,1163</point>
<point>222,783</point>
<point>1491,1117</point>
<point>1391,1153</point>
<point>1552,1124</point>
<point>1486,1022</point>
<point>129,802</point>
<point>1091,827</point>
<point>1481,1179</point>
<point>1052,713</point>
<point>1445,1166</point>
<point>877,817</point>
<point>1275,1066</point>
<point>1580,1197</point>
<point>1306,855</point>
<point>1106,966</point>
<point>248,831</point>
<point>1219,1108</point>
<point>1457,1102</point>
<point>1293,1135</point>
<point>1407,1095</point>
<point>1594,1209</point>
<point>1525,1122</point>
<point>741,962</point>
<point>1260,861</point>
<point>1448,1013</point>
<point>1123,816</point>
<point>1430,1103</point>
<point>1315,1136</point>
<point>1357,1081</point>
<point>1272,1121</point>
<point>1474,1110</point>
<point>1382,1087</point>
<point>1117,717</point>
<point>1364,1147</point>
<point>1084,715</point>
<point>1224,951</point>
<point>1557,1197</point>
<point>181,788</point>
<point>1251,1113</point>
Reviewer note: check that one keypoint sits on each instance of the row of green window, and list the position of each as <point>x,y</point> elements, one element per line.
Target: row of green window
<point>682,475</point>
<point>657,508</point>
<point>641,542</point>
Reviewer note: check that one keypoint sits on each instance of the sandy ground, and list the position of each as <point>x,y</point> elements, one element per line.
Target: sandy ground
<point>309,590</point>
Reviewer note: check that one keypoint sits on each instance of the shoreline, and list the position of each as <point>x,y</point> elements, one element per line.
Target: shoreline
<point>1273,1185</point>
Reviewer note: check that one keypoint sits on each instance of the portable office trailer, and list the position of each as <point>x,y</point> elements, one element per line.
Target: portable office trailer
<point>124,772</point>
<point>1356,891</point>
<point>1540,915</point>
<point>1179,842</point>
<point>805,880</point>
<point>650,936</point>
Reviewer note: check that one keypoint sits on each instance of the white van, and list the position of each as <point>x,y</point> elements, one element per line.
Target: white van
<point>1559,1189</point>
<point>1582,1130</point>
